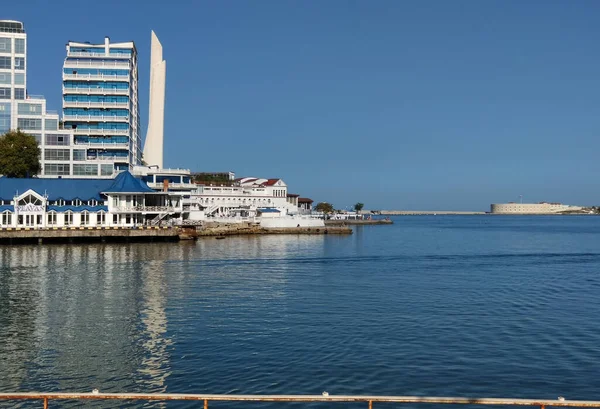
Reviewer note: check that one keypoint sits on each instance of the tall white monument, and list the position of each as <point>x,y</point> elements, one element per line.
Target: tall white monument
<point>153,146</point>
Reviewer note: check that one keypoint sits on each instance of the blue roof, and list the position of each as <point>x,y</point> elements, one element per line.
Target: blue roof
<point>125,182</point>
<point>77,209</point>
<point>268,210</point>
<point>10,208</point>
<point>69,189</point>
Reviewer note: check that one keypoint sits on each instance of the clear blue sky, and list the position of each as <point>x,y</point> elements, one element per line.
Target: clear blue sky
<point>397,104</point>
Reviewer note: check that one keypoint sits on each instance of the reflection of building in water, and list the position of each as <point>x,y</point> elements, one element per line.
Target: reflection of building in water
<point>84,317</point>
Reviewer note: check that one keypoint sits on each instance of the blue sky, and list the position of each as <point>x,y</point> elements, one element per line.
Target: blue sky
<point>398,104</point>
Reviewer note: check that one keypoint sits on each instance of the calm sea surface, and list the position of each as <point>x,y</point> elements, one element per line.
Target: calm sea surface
<point>440,305</point>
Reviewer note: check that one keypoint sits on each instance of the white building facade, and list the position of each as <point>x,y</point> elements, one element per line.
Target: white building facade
<point>532,208</point>
<point>100,105</point>
<point>20,110</point>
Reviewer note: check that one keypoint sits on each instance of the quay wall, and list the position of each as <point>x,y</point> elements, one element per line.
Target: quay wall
<point>86,234</point>
<point>252,228</point>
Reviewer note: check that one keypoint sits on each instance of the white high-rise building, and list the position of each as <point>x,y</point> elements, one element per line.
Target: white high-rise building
<point>20,110</point>
<point>100,105</point>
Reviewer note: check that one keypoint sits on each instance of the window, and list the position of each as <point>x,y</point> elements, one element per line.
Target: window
<point>19,93</point>
<point>58,140</point>
<point>5,78</point>
<point>4,117</point>
<point>85,218</point>
<point>19,78</point>
<point>51,124</point>
<point>106,170</point>
<point>5,63</point>
<point>57,154</point>
<point>51,218</point>
<point>26,123</point>
<point>6,218</point>
<point>92,202</point>
<point>19,63</point>
<point>77,202</point>
<point>79,154</point>
<point>85,170</point>
<point>115,219</point>
<point>57,169</point>
<point>30,199</point>
<point>29,109</point>
<point>5,92</point>
<point>68,218</point>
<point>19,46</point>
<point>5,45</point>
<point>101,218</point>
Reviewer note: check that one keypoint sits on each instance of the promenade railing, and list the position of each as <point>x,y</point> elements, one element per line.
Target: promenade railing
<point>368,400</point>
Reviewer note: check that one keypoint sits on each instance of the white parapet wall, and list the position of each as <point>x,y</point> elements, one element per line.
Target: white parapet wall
<point>280,222</point>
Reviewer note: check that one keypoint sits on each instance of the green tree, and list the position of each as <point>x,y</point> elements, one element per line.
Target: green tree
<point>358,207</point>
<point>324,207</point>
<point>19,155</point>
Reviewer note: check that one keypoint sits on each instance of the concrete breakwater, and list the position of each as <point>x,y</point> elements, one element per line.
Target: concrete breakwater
<point>223,229</point>
<point>357,222</point>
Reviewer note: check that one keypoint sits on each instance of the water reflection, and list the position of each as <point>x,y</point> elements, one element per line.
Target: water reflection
<point>83,317</point>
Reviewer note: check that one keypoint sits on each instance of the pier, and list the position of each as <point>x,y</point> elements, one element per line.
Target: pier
<point>87,234</point>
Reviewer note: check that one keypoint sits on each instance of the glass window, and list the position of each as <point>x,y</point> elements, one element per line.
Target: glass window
<point>5,45</point>
<point>5,63</point>
<point>19,78</point>
<point>85,218</point>
<point>27,123</point>
<point>106,170</point>
<point>19,45</point>
<point>57,169</point>
<point>4,117</point>
<point>58,140</point>
<point>30,109</point>
<point>6,218</point>
<point>79,154</point>
<point>51,124</point>
<point>37,136</point>
<point>19,93</point>
<point>101,218</point>
<point>85,170</point>
<point>4,93</point>
<point>19,63</point>
<point>68,218</point>
<point>5,78</point>
<point>57,154</point>
<point>52,218</point>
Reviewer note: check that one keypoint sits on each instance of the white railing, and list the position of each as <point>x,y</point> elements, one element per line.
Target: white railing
<point>96,64</point>
<point>86,54</point>
<point>89,118</point>
<point>115,77</point>
<point>110,158</point>
<point>146,209</point>
<point>116,145</point>
<point>159,185</point>
<point>81,131</point>
<point>89,104</point>
<point>99,91</point>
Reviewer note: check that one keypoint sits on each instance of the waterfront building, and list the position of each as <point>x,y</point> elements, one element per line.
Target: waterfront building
<point>532,208</point>
<point>20,110</point>
<point>123,201</point>
<point>305,204</point>
<point>100,105</point>
<point>247,195</point>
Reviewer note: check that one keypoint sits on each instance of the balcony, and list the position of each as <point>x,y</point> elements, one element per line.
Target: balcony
<point>89,104</point>
<point>108,132</point>
<point>98,54</point>
<point>120,159</point>
<point>103,145</point>
<point>95,91</point>
<point>96,118</point>
<point>100,77</point>
<point>97,64</point>
<point>159,186</point>
<point>145,209</point>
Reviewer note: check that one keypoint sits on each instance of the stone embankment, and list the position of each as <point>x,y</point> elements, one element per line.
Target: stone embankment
<point>86,235</point>
<point>225,229</point>
<point>357,222</point>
